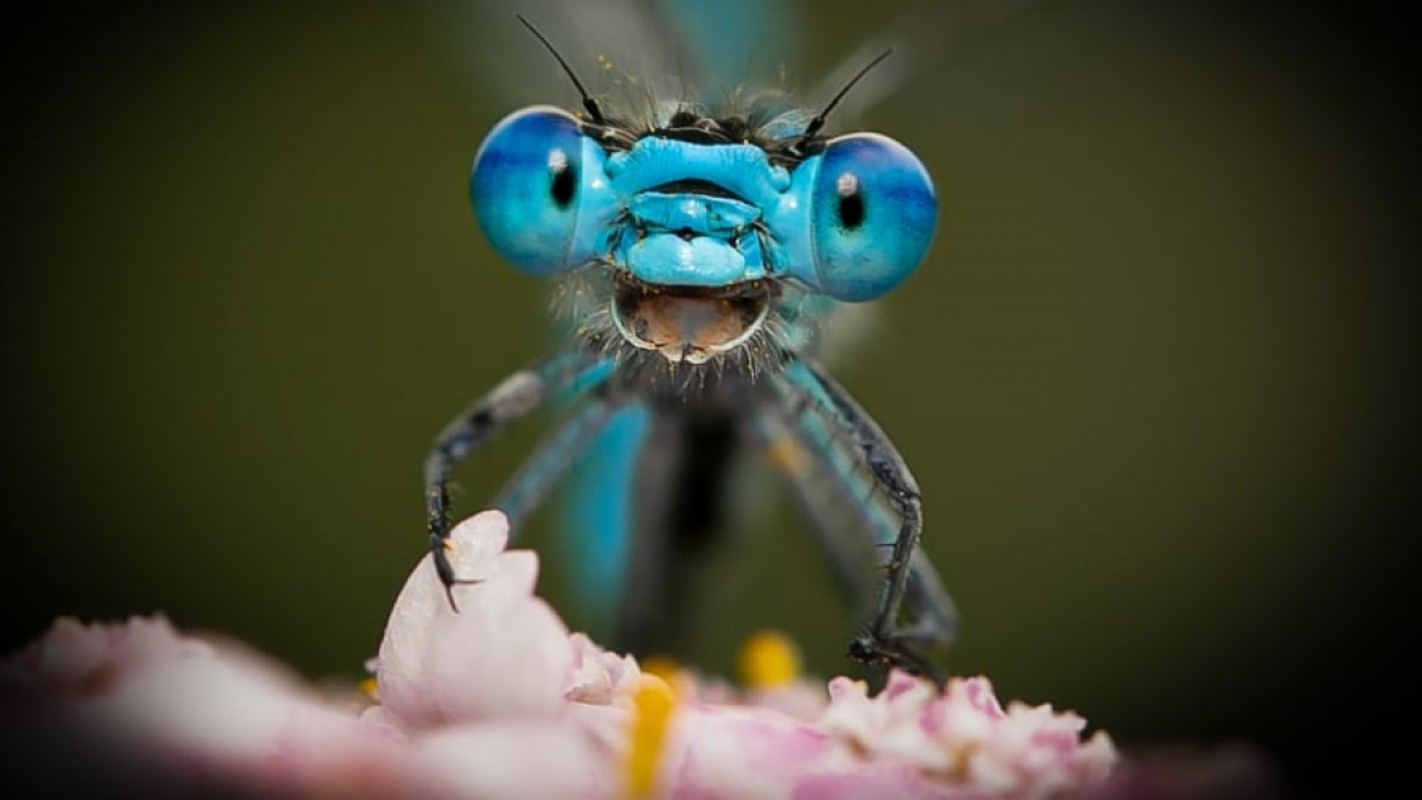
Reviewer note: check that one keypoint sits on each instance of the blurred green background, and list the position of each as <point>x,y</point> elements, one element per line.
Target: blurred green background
<point>1153,380</point>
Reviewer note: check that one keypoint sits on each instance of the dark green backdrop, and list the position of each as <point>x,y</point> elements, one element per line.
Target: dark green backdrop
<point>1151,380</point>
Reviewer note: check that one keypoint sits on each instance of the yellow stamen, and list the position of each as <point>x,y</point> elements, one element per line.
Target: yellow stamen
<point>370,687</point>
<point>653,704</point>
<point>769,659</point>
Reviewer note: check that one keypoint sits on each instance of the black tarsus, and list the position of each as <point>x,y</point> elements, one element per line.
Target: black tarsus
<point>513,398</point>
<point>445,571</point>
<point>819,119</point>
<point>588,103</point>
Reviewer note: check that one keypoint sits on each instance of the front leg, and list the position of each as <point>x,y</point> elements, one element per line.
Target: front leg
<point>515,397</point>
<point>884,642</point>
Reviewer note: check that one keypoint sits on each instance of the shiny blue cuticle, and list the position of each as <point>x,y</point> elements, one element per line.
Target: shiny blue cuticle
<point>873,212</point>
<point>526,185</point>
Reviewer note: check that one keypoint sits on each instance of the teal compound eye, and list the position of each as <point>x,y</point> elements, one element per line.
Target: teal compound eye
<point>527,188</point>
<point>873,213</point>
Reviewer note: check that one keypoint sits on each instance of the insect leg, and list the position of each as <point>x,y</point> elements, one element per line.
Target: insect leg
<point>801,446</point>
<point>885,642</point>
<point>528,487</point>
<point>514,398</point>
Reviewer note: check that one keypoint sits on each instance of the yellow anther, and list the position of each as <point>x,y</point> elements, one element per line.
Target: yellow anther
<point>370,688</point>
<point>653,704</point>
<point>768,659</point>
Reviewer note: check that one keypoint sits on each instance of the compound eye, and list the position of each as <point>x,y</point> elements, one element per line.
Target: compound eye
<point>525,186</point>
<point>873,211</point>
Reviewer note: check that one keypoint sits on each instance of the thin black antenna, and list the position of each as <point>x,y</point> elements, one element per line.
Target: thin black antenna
<point>819,119</point>
<point>588,103</point>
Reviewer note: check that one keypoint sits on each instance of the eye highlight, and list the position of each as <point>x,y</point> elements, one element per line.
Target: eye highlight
<point>873,213</point>
<point>525,187</point>
<point>851,202</point>
<point>565,179</point>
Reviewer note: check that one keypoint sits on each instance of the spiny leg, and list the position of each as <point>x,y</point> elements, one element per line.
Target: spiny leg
<point>811,437</point>
<point>885,642</point>
<point>813,458</point>
<point>515,397</point>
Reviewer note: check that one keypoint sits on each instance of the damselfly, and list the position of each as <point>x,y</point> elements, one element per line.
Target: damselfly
<point>698,250</point>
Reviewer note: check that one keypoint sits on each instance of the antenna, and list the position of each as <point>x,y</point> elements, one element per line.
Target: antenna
<point>819,119</point>
<point>588,103</point>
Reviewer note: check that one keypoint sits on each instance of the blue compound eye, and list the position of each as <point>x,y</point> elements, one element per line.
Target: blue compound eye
<point>873,213</point>
<point>525,188</point>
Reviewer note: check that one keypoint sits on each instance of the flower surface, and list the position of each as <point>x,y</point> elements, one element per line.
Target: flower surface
<point>500,699</point>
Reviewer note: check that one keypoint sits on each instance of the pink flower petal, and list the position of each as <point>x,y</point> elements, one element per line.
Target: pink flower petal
<point>499,700</point>
<point>733,752</point>
<point>521,759</point>
<point>72,657</point>
<point>598,676</point>
<point>177,712</point>
<point>963,737</point>
<point>505,653</point>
